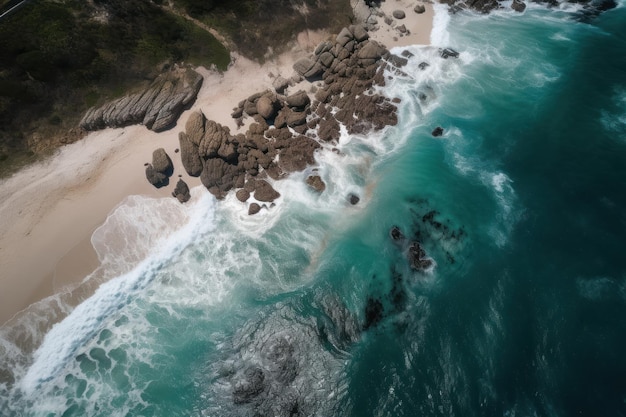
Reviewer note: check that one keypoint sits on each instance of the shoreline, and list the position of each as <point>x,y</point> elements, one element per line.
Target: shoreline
<point>50,210</point>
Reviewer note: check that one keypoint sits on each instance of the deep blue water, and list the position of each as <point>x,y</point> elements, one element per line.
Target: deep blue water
<point>313,309</point>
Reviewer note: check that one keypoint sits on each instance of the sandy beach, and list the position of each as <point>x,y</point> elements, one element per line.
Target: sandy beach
<point>48,211</point>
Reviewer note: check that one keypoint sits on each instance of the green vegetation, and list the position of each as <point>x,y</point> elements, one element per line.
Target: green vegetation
<point>256,25</point>
<point>58,58</point>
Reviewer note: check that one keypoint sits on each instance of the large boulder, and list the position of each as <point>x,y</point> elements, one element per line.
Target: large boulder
<point>156,178</point>
<point>399,14</point>
<point>518,5</point>
<point>181,192</point>
<point>371,50</point>
<point>265,192</point>
<point>298,100</point>
<point>303,66</point>
<point>195,127</point>
<point>266,107</point>
<point>344,37</point>
<point>158,107</point>
<point>189,155</point>
<point>316,183</point>
<point>359,32</point>
<point>161,162</point>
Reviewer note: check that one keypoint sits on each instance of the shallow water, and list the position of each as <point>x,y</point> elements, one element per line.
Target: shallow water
<point>520,206</point>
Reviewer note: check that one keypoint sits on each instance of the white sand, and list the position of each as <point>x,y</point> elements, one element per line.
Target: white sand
<point>49,211</point>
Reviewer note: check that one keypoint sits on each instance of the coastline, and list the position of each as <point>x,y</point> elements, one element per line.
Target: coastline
<point>50,210</point>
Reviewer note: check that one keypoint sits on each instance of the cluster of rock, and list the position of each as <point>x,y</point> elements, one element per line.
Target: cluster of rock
<point>287,130</point>
<point>158,107</point>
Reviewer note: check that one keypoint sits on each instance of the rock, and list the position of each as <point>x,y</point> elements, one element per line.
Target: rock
<point>298,100</point>
<point>423,65</point>
<point>398,61</point>
<point>161,162</point>
<point>419,9</point>
<point>373,312</point>
<point>398,14</point>
<point>253,209</point>
<point>371,50</point>
<point>266,107</point>
<point>265,192</point>
<point>314,72</point>
<point>181,192</point>
<point>212,174</point>
<point>158,107</point>
<point>353,199</point>
<point>242,195</point>
<point>359,33</point>
<point>303,66</point>
<point>298,154</point>
<point>194,128</point>
<point>251,384</point>
<point>189,155</point>
<point>344,37</point>
<point>324,46</point>
<point>279,356</point>
<point>417,257</point>
<point>156,178</point>
<point>328,129</point>
<point>326,59</point>
<point>396,234</point>
<point>296,118</point>
<point>437,132</point>
<point>518,5</point>
<point>316,183</point>
<point>280,84</point>
<point>448,52</point>
<point>402,29</point>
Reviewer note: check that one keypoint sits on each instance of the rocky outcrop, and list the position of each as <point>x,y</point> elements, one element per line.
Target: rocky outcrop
<point>287,130</point>
<point>158,107</point>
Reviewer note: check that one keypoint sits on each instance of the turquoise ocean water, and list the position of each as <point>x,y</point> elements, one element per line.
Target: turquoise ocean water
<point>312,309</point>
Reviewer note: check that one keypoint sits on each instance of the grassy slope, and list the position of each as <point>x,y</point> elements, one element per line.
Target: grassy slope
<point>56,60</point>
<point>256,25</point>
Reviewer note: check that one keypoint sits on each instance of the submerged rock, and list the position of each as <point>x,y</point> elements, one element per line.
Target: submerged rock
<point>417,257</point>
<point>448,53</point>
<point>437,132</point>
<point>518,5</point>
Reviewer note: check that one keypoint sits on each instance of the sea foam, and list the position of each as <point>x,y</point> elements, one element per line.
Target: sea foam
<point>86,319</point>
